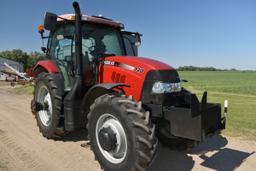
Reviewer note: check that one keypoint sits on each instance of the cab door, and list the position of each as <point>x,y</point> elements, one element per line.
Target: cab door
<point>62,52</point>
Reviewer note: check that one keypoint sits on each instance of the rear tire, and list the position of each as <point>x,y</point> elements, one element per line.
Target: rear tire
<point>132,122</point>
<point>48,92</point>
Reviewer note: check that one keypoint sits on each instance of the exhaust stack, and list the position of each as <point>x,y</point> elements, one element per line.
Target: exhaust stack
<point>78,38</point>
<point>71,101</point>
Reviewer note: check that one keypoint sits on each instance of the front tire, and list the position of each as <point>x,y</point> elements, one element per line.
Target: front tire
<point>121,134</point>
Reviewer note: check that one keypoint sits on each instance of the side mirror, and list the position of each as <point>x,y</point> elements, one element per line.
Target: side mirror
<point>137,39</point>
<point>50,21</point>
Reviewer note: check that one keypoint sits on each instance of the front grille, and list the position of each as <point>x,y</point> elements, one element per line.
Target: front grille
<point>169,76</point>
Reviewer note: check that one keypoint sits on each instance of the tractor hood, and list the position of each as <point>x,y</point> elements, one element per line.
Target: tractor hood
<point>136,72</point>
<point>137,64</point>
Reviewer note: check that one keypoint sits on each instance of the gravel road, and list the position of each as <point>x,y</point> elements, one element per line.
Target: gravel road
<point>23,148</point>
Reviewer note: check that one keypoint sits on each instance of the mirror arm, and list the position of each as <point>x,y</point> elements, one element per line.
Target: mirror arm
<point>42,37</point>
<point>45,37</point>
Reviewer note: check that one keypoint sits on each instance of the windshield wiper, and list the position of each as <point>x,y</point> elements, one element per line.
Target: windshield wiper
<point>108,54</point>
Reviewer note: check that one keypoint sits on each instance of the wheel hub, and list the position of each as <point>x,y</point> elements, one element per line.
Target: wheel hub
<point>44,107</point>
<point>111,138</point>
<point>107,139</point>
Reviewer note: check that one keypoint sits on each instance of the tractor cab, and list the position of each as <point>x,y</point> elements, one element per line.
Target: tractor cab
<point>101,37</point>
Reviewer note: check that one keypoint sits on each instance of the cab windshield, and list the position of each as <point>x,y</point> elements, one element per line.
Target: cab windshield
<point>99,41</point>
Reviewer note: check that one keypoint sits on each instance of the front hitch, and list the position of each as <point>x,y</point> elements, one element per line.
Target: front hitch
<point>197,121</point>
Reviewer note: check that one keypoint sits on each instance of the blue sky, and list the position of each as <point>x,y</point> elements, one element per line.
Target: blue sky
<point>219,33</point>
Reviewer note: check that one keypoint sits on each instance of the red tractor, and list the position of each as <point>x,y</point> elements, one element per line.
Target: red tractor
<point>93,78</point>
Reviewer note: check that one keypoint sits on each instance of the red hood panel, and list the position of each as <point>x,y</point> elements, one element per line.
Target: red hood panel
<point>129,70</point>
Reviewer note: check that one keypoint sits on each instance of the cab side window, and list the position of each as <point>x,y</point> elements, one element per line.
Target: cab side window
<point>129,42</point>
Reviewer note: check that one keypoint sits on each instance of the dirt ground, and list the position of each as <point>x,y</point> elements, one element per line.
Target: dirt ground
<point>23,148</point>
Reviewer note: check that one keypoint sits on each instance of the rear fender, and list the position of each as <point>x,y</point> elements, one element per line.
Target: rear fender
<point>45,65</point>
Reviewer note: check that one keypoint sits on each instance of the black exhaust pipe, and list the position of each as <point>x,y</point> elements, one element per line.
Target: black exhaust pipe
<point>72,99</point>
<point>78,38</point>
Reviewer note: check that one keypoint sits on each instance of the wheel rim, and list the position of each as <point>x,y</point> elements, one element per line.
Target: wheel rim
<point>118,154</point>
<point>44,97</point>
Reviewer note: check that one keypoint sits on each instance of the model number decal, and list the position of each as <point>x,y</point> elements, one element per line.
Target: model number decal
<point>140,70</point>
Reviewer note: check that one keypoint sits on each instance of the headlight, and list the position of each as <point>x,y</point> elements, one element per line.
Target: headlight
<point>160,87</point>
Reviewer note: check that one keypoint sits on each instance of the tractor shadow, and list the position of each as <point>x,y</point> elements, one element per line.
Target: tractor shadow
<point>224,159</point>
<point>79,135</point>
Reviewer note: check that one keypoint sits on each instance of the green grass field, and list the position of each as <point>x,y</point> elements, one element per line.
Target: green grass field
<point>239,88</point>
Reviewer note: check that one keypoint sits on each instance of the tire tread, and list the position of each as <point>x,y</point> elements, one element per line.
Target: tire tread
<point>143,128</point>
<point>57,102</point>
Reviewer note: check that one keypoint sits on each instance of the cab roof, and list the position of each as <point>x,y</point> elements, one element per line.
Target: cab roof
<point>92,19</point>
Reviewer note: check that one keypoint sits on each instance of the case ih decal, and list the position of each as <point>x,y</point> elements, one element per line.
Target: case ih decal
<point>124,66</point>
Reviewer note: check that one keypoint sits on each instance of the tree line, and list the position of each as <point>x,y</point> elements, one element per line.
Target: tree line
<point>196,68</point>
<point>27,59</point>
